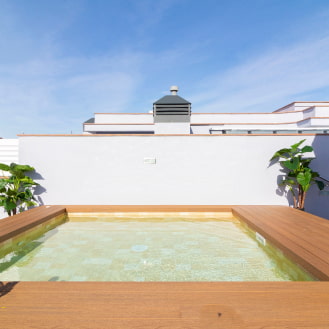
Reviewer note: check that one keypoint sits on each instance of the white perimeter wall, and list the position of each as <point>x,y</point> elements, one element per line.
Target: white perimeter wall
<point>196,170</point>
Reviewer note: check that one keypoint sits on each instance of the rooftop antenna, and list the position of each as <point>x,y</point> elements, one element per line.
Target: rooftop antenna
<point>174,90</point>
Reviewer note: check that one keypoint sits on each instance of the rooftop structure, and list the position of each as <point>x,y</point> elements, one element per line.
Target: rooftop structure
<point>172,115</point>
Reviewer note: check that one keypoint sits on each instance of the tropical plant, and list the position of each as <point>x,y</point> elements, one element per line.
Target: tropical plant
<point>16,191</point>
<point>299,176</point>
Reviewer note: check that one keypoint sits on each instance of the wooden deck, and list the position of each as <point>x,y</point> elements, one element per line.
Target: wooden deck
<point>272,305</point>
<point>303,237</point>
<point>14,225</point>
<point>97,305</point>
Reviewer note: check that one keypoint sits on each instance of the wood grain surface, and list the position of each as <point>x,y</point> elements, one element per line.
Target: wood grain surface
<point>36,305</point>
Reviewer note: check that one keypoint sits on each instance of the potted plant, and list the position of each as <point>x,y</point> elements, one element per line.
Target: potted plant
<point>299,177</point>
<point>16,190</point>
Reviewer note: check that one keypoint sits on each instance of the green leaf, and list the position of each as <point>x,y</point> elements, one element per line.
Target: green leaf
<point>315,174</point>
<point>306,161</point>
<point>295,146</point>
<point>280,153</point>
<point>23,168</point>
<point>28,180</point>
<point>307,149</point>
<point>3,183</point>
<point>28,193</point>
<point>291,164</point>
<point>11,192</point>
<point>320,184</point>
<point>9,205</point>
<point>4,167</point>
<point>304,179</point>
<point>288,182</point>
<point>17,174</point>
<point>30,203</point>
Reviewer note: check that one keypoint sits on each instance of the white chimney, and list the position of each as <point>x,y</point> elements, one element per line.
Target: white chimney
<point>174,90</point>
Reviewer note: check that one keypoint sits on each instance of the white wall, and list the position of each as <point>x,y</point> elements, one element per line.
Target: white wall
<point>8,151</point>
<point>209,170</point>
<point>201,122</point>
<point>299,106</point>
<point>104,118</point>
<point>123,118</point>
<point>94,128</point>
<point>248,118</point>
<point>3,214</point>
<point>172,128</point>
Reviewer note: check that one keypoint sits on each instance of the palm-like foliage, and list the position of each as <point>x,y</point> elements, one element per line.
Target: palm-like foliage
<point>299,176</point>
<point>16,191</point>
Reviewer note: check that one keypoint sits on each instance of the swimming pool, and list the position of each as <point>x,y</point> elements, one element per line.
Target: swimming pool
<point>184,246</point>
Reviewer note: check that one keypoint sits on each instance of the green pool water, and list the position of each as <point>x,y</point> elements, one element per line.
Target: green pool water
<point>121,248</point>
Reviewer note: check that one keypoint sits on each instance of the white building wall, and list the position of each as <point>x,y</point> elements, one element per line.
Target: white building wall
<point>211,128</point>
<point>299,106</point>
<point>248,118</point>
<point>8,151</point>
<point>3,214</point>
<point>289,114</point>
<point>123,118</point>
<point>172,128</point>
<point>322,111</point>
<point>205,118</point>
<point>94,128</point>
<point>319,122</point>
<point>316,111</point>
<point>293,116</point>
<point>189,170</point>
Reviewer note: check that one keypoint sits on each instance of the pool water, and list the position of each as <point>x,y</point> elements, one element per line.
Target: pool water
<point>147,247</point>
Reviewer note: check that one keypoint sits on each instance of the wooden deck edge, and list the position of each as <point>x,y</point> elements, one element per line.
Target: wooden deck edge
<point>133,305</point>
<point>245,213</point>
<point>14,225</point>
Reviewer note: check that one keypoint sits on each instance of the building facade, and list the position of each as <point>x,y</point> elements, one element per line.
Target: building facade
<point>172,114</point>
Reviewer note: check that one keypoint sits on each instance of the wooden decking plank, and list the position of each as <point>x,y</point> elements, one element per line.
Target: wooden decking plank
<point>11,226</point>
<point>274,230</point>
<point>297,232</point>
<point>179,305</point>
<point>296,228</point>
<point>292,247</point>
<point>315,226</point>
<point>301,247</point>
<point>269,217</point>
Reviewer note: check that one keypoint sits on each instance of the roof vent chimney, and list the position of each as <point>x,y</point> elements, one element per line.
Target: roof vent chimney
<point>172,114</point>
<point>174,90</point>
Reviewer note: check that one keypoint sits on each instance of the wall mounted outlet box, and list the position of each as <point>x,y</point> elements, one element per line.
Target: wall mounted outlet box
<point>150,160</point>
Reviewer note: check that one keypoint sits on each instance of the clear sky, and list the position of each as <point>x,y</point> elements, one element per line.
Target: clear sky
<point>61,61</point>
